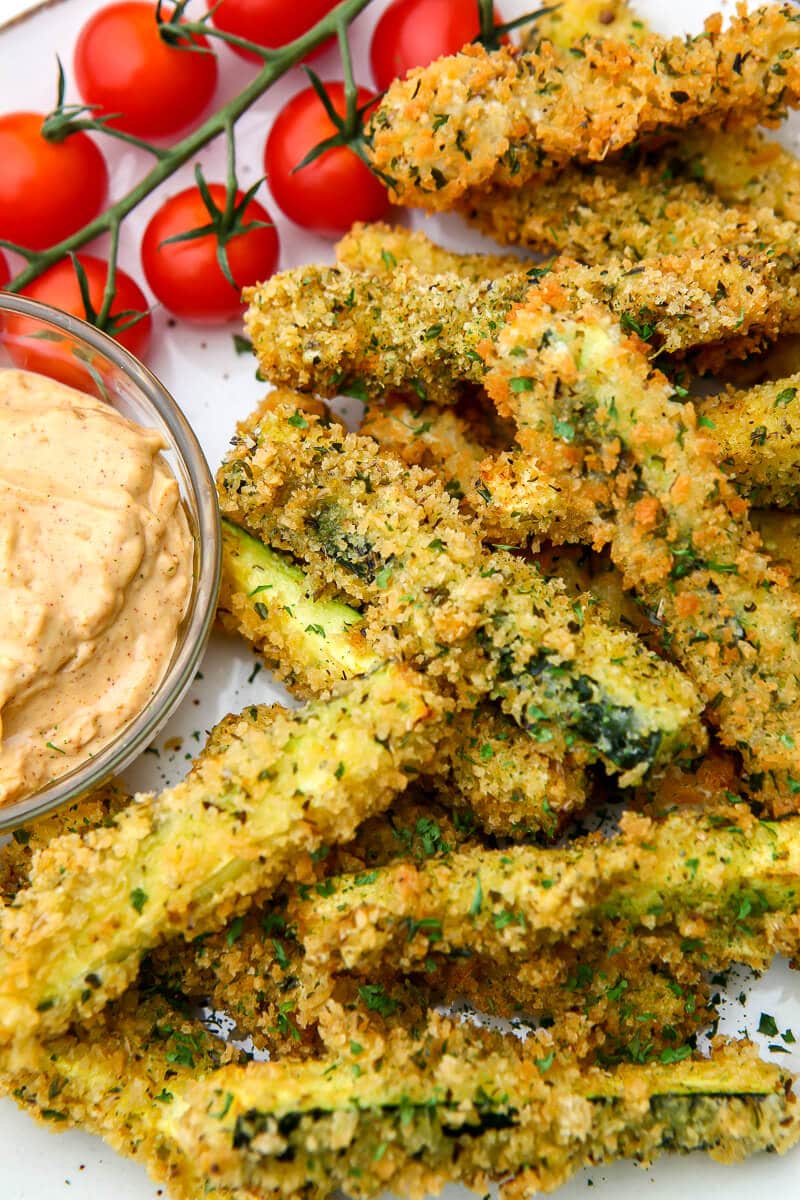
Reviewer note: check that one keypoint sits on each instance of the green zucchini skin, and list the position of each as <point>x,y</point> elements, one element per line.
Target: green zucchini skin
<point>612,431</point>
<point>486,763</point>
<point>392,541</point>
<point>406,1112</point>
<point>194,856</point>
<point>730,889</point>
<point>458,1110</point>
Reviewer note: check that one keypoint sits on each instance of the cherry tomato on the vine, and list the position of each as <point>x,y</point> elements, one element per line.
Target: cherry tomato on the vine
<point>412,33</point>
<point>186,276</point>
<point>334,190</point>
<point>269,22</point>
<point>48,190</point>
<point>59,287</point>
<point>123,66</point>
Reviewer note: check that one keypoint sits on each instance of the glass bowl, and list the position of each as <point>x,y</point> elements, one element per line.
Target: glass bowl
<point>84,357</point>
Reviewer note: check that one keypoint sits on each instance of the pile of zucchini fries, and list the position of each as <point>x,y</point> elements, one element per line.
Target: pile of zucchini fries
<point>532,583</point>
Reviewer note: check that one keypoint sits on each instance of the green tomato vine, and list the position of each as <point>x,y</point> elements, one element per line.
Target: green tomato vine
<point>67,119</point>
<point>177,31</point>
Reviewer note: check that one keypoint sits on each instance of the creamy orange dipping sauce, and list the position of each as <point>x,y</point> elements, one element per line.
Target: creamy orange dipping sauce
<point>96,560</point>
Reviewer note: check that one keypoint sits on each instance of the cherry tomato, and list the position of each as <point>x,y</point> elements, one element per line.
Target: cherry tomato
<point>59,287</point>
<point>48,190</point>
<point>269,22</point>
<point>336,189</point>
<point>123,66</point>
<point>412,33</point>
<point>186,276</point>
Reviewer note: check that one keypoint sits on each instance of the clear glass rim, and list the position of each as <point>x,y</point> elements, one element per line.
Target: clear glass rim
<point>137,734</point>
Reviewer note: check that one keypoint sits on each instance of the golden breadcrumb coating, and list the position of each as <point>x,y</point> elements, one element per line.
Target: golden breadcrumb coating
<point>390,538</point>
<point>598,212</point>
<point>503,118</point>
<point>333,331</point>
<point>188,859</point>
<point>452,441</point>
<point>758,434</point>
<point>590,406</point>
<point>96,810</point>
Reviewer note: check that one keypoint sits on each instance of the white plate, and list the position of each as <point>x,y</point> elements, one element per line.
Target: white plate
<point>215,389</point>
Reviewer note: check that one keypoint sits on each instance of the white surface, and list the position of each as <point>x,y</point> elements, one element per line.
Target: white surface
<point>216,388</point>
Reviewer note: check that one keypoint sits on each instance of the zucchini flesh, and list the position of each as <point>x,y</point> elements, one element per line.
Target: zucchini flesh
<point>314,642</point>
<point>731,889</point>
<point>454,1110</point>
<point>190,858</point>
<point>407,1114</point>
<point>391,539</point>
<point>590,407</point>
<point>486,763</point>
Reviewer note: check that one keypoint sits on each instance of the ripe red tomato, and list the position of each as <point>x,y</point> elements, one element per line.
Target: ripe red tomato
<point>269,22</point>
<point>59,287</point>
<point>123,66</point>
<point>412,33</point>
<point>186,276</point>
<point>337,188</point>
<point>48,190</point>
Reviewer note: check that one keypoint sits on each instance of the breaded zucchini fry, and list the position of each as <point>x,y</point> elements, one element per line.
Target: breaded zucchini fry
<point>484,761</point>
<point>120,1078</point>
<point>618,209</point>
<point>332,330</point>
<point>455,1105</point>
<point>311,643</point>
<point>407,1113</point>
<point>186,860</point>
<point>586,398</point>
<point>480,118</point>
<point>391,539</point>
<point>686,874</point>
<point>758,434</point>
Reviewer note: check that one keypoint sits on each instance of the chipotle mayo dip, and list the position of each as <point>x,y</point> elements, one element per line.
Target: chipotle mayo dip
<point>96,563</point>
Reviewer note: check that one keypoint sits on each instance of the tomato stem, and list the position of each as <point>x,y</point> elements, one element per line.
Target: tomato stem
<point>491,35</point>
<point>111,278</point>
<point>66,119</point>
<point>276,63</point>
<point>174,32</point>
